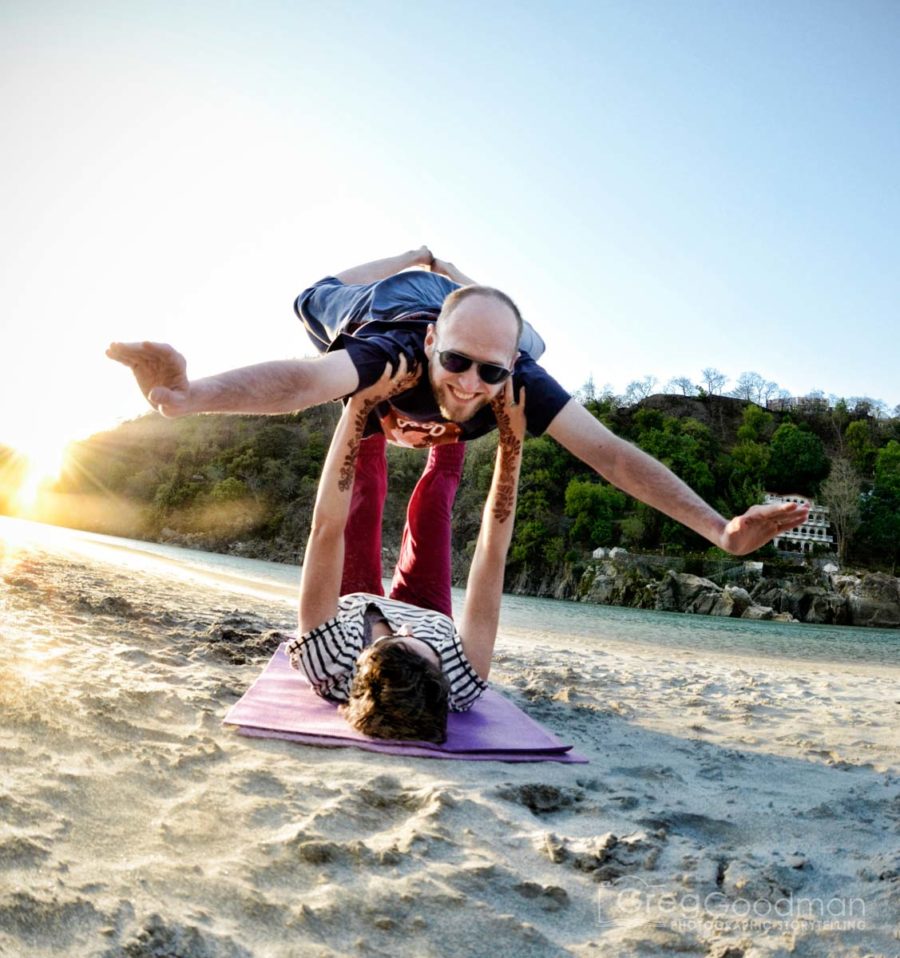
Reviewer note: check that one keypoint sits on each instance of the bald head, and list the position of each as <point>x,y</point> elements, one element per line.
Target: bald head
<point>470,293</point>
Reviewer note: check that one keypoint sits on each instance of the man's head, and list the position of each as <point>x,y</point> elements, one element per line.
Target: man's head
<point>477,323</point>
<point>398,693</point>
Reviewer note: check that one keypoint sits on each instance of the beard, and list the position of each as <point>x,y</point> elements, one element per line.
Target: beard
<point>452,409</point>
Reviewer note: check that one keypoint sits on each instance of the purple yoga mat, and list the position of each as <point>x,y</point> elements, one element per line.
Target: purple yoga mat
<point>281,704</point>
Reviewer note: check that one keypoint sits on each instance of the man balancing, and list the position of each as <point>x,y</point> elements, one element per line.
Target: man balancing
<point>469,339</point>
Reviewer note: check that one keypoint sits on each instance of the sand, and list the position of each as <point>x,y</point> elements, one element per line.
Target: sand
<point>732,807</point>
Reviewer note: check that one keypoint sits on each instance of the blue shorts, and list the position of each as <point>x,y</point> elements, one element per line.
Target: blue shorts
<point>330,307</point>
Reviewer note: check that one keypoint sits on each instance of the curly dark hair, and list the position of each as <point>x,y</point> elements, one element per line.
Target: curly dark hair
<point>398,694</point>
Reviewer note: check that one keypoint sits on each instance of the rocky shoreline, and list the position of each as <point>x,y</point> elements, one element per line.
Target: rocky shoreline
<point>748,590</point>
<point>729,588</point>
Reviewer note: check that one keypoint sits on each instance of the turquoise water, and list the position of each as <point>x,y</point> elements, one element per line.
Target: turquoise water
<point>531,619</point>
<point>593,623</point>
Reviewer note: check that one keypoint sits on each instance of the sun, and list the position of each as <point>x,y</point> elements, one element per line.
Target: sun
<point>29,472</point>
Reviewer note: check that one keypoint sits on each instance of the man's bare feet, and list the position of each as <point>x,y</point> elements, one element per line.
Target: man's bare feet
<point>423,257</point>
<point>451,272</point>
<point>161,374</point>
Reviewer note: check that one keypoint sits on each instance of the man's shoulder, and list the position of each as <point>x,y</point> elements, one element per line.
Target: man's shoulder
<point>529,372</point>
<point>544,396</point>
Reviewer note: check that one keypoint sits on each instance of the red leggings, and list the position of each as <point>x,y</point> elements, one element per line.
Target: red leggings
<point>422,576</point>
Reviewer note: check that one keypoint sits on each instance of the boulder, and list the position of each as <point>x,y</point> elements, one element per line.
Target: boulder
<point>771,594</point>
<point>724,606</point>
<point>826,608</point>
<point>607,583</point>
<point>759,612</point>
<point>810,602</point>
<point>732,601</point>
<point>881,588</point>
<point>875,601</point>
<point>682,592</point>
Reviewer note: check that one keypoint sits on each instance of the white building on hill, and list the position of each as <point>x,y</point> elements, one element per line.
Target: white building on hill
<point>813,532</point>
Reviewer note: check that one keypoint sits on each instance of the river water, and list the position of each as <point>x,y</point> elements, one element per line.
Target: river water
<point>523,619</point>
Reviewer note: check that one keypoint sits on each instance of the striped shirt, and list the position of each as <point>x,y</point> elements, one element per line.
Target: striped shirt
<point>327,654</point>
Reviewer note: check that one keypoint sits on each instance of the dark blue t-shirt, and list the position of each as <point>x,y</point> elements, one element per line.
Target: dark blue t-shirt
<point>382,321</point>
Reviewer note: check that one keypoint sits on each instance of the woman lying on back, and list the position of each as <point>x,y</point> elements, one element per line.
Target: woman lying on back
<point>397,669</point>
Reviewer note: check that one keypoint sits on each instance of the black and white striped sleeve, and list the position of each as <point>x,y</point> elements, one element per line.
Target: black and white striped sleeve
<point>466,685</point>
<point>326,655</point>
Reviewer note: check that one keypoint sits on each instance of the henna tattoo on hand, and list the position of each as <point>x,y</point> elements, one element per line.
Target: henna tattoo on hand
<point>406,382</point>
<point>389,385</point>
<point>367,400</point>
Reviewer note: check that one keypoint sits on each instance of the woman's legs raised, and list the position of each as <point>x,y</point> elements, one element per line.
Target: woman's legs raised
<point>362,534</point>
<point>422,576</point>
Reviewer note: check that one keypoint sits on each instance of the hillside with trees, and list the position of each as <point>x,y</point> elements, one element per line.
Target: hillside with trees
<point>246,484</point>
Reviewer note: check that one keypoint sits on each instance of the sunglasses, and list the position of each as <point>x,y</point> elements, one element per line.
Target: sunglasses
<point>458,363</point>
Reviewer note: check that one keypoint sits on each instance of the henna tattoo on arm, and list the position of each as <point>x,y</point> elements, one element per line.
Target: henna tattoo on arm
<point>348,467</point>
<point>505,497</point>
<point>508,452</point>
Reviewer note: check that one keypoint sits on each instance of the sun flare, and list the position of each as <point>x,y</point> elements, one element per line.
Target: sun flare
<point>31,470</point>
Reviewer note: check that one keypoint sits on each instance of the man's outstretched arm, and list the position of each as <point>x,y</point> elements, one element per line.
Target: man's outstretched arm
<point>643,477</point>
<point>268,388</point>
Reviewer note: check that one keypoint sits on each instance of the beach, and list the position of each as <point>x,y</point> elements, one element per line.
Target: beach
<point>734,805</point>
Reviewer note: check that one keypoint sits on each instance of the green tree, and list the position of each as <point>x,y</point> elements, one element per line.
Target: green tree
<point>633,530</point>
<point>546,469</point>
<point>880,527</point>
<point>229,490</point>
<point>594,507</point>
<point>743,469</point>
<point>860,446</point>
<point>797,462</point>
<point>756,424</point>
<point>887,468</point>
<point>687,447</point>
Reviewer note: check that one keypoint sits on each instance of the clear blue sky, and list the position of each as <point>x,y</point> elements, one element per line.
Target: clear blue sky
<point>662,185</point>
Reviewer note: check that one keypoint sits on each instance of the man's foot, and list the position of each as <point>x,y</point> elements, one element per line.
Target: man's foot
<point>423,257</point>
<point>451,272</point>
<point>161,374</point>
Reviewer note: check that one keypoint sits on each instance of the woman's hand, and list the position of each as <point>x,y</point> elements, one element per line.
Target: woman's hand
<point>510,414</point>
<point>390,384</point>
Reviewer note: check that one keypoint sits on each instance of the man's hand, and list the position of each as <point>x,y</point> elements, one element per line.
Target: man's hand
<point>760,524</point>
<point>161,373</point>
<point>391,383</point>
